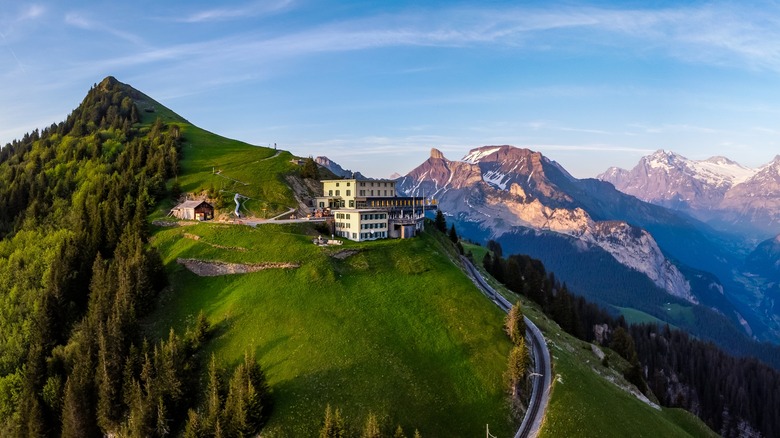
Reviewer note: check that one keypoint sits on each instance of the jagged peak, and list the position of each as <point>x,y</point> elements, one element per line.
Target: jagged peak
<point>720,160</point>
<point>435,153</point>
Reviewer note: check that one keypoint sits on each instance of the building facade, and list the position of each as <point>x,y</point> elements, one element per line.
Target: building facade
<point>371,209</point>
<point>193,210</point>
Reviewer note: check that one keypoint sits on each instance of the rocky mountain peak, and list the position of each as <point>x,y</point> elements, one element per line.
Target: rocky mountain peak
<point>437,154</point>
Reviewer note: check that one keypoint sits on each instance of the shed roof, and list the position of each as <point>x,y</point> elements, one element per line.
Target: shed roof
<point>190,204</point>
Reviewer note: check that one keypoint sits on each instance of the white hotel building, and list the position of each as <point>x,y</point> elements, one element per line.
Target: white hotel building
<point>370,209</point>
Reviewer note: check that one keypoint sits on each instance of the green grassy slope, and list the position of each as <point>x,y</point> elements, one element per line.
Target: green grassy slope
<point>229,166</point>
<point>396,329</point>
<point>585,402</point>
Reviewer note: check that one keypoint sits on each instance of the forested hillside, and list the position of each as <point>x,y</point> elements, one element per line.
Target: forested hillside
<point>732,395</point>
<point>76,276</point>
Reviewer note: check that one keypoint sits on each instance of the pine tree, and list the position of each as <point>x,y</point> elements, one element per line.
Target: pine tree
<point>399,432</point>
<point>333,425</point>
<point>310,169</point>
<point>487,262</point>
<point>371,429</point>
<point>453,234</point>
<point>440,222</point>
<point>194,426</point>
<point>514,324</point>
<point>213,400</point>
<point>519,364</point>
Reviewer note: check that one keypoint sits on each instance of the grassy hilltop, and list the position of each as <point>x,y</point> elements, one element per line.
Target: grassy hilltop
<point>395,329</point>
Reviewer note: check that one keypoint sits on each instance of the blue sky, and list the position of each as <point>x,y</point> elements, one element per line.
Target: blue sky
<point>375,86</point>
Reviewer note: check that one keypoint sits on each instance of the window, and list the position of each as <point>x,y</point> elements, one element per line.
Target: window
<point>337,193</point>
<point>349,192</point>
<point>385,192</point>
<point>337,184</point>
<point>351,204</point>
<point>362,193</point>
<point>330,192</point>
<point>354,235</point>
<point>322,204</point>
<point>372,193</point>
<point>347,184</point>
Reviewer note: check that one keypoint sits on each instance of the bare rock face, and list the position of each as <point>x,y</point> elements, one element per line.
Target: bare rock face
<point>756,200</point>
<point>502,187</point>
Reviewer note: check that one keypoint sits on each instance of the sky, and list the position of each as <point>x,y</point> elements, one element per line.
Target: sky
<point>375,85</point>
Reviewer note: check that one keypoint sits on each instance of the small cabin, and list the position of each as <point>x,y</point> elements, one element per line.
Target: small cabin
<point>194,210</point>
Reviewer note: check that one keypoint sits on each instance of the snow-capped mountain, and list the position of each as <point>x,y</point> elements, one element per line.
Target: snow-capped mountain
<point>666,178</point>
<point>716,190</point>
<point>755,201</point>
<point>500,188</point>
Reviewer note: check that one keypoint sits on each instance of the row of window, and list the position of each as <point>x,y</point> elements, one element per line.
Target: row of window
<point>343,225</point>
<point>373,216</point>
<point>371,193</point>
<point>373,226</point>
<point>363,236</point>
<point>338,193</point>
<point>378,184</point>
<point>342,215</point>
<point>376,235</point>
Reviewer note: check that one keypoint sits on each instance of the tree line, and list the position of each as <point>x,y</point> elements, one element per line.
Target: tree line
<point>77,275</point>
<point>732,395</point>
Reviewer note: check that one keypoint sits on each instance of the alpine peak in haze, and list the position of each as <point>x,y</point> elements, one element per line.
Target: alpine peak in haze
<point>337,169</point>
<point>501,188</point>
<point>716,190</point>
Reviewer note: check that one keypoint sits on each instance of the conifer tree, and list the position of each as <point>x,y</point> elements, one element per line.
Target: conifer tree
<point>440,222</point>
<point>310,169</point>
<point>371,429</point>
<point>487,262</point>
<point>453,235</point>
<point>399,432</point>
<point>333,425</point>
<point>514,323</point>
<point>519,363</point>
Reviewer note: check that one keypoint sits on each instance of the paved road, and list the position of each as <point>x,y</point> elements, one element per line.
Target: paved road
<point>542,379</point>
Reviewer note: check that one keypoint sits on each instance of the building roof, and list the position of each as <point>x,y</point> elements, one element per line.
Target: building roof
<point>358,180</point>
<point>190,204</point>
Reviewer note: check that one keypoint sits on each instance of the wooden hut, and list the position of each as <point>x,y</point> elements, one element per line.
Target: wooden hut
<point>194,210</point>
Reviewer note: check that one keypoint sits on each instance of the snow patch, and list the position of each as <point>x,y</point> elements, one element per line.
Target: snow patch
<point>495,178</point>
<point>475,155</point>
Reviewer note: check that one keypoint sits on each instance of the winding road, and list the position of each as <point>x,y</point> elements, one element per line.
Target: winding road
<point>542,376</point>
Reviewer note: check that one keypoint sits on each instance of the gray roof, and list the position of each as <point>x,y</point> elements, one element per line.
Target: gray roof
<point>188,204</point>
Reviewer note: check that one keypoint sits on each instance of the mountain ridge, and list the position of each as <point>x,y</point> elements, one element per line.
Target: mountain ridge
<point>515,195</point>
<point>717,190</point>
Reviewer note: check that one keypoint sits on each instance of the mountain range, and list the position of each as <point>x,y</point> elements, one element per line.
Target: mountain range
<point>591,234</point>
<point>719,191</point>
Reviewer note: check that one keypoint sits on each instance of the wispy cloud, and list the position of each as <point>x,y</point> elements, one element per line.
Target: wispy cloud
<point>676,128</point>
<point>81,21</point>
<point>31,12</point>
<point>245,11</point>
